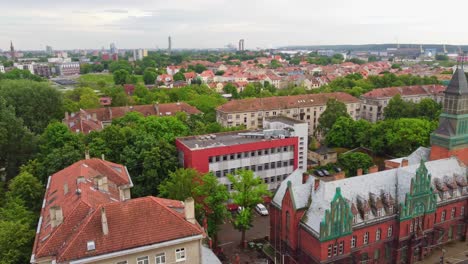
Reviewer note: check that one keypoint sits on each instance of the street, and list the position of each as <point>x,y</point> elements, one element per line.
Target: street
<point>229,239</point>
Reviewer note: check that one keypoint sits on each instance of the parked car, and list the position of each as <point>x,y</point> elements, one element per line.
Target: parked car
<point>326,172</point>
<point>261,209</point>
<point>239,209</point>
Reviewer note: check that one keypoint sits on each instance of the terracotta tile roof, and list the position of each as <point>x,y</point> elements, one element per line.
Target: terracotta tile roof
<point>91,119</point>
<point>132,223</point>
<point>284,102</point>
<point>62,191</point>
<point>405,91</point>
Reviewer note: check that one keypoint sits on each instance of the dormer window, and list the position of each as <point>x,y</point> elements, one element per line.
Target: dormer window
<point>379,212</point>
<point>90,245</point>
<point>390,209</point>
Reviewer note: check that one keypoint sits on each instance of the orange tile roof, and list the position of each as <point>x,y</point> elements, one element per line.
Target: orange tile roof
<point>284,102</point>
<point>405,91</point>
<point>62,191</point>
<point>132,223</point>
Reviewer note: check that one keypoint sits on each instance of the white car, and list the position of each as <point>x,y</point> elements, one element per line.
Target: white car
<point>261,209</point>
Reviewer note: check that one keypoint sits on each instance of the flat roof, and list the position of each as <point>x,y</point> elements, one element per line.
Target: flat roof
<point>224,139</point>
<point>284,119</point>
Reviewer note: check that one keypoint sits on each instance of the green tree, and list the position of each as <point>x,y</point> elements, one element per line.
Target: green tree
<point>229,88</point>
<point>16,232</point>
<point>180,184</point>
<point>17,143</point>
<point>249,190</point>
<point>397,108</point>
<point>441,57</point>
<point>353,161</point>
<point>27,188</point>
<point>372,58</point>
<point>428,108</point>
<point>179,76</point>
<point>213,196</point>
<point>85,68</point>
<point>120,65</point>
<point>149,76</point>
<point>335,109</point>
<point>37,103</point>
<point>275,64</point>
<point>348,133</point>
<point>121,77</point>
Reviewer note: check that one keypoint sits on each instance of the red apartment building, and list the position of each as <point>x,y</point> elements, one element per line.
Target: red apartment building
<point>272,153</point>
<point>394,216</point>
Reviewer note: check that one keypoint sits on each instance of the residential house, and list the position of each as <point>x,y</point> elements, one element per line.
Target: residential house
<point>88,216</point>
<point>374,102</point>
<point>87,120</point>
<point>252,111</point>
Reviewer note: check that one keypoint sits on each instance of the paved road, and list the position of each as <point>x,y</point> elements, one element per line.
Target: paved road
<point>260,229</point>
<point>456,253</point>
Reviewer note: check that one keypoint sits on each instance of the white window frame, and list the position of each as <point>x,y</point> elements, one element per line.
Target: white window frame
<point>378,234</point>
<point>442,217</point>
<point>390,231</point>
<point>141,260</point>
<point>122,262</point>
<point>161,257</point>
<point>452,213</point>
<point>366,238</point>
<point>353,241</point>
<point>180,252</point>
<point>330,250</point>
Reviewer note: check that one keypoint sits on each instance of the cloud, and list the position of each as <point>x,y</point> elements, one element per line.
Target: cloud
<point>213,23</point>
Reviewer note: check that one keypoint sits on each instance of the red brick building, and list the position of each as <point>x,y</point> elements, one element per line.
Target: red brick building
<point>394,216</point>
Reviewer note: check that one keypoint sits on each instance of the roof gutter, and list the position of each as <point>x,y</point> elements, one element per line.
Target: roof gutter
<point>136,250</point>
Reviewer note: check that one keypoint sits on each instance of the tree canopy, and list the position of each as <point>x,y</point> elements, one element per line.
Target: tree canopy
<point>335,109</point>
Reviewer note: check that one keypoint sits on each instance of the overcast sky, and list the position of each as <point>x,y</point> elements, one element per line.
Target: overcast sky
<point>65,24</point>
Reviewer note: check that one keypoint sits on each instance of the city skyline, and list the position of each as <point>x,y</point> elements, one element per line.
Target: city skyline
<point>214,24</point>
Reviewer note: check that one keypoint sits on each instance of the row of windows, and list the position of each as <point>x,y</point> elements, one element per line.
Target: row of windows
<point>259,167</point>
<point>378,236</point>
<point>234,156</point>
<point>453,213</point>
<point>160,258</point>
<point>272,179</point>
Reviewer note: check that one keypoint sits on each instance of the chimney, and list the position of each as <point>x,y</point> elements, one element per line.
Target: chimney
<point>105,226</point>
<point>66,116</point>
<point>101,183</point>
<point>190,210</point>
<point>103,157</point>
<point>359,172</point>
<point>316,183</point>
<point>373,169</point>
<point>404,163</point>
<point>156,108</point>
<point>87,154</point>
<point>339,176</point>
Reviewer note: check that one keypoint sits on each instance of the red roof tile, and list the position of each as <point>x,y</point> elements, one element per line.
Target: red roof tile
<point>284,102</point>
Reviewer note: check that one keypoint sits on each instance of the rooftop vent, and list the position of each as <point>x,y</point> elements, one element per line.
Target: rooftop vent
<point>90,245</point>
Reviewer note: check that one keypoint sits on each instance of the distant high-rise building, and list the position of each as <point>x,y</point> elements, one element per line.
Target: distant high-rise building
<point>113,49</point>
<point>138,54</point>
<point>12,51</point>
<point>49,50</point>
<point>169,48</point>
<point>241,45</point>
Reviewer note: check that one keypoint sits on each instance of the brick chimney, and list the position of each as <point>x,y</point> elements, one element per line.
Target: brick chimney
<point>190,210</point>
<point>359,172</point>
<point>87,154</point>
<point>404,163</point>
<point>373,169</point>
<point>105,226</point>
<point>339,175</point>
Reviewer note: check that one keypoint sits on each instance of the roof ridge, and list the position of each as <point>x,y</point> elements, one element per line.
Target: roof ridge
<point>174,213</point>
<point>60,227</point>
<point>89,217</point>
